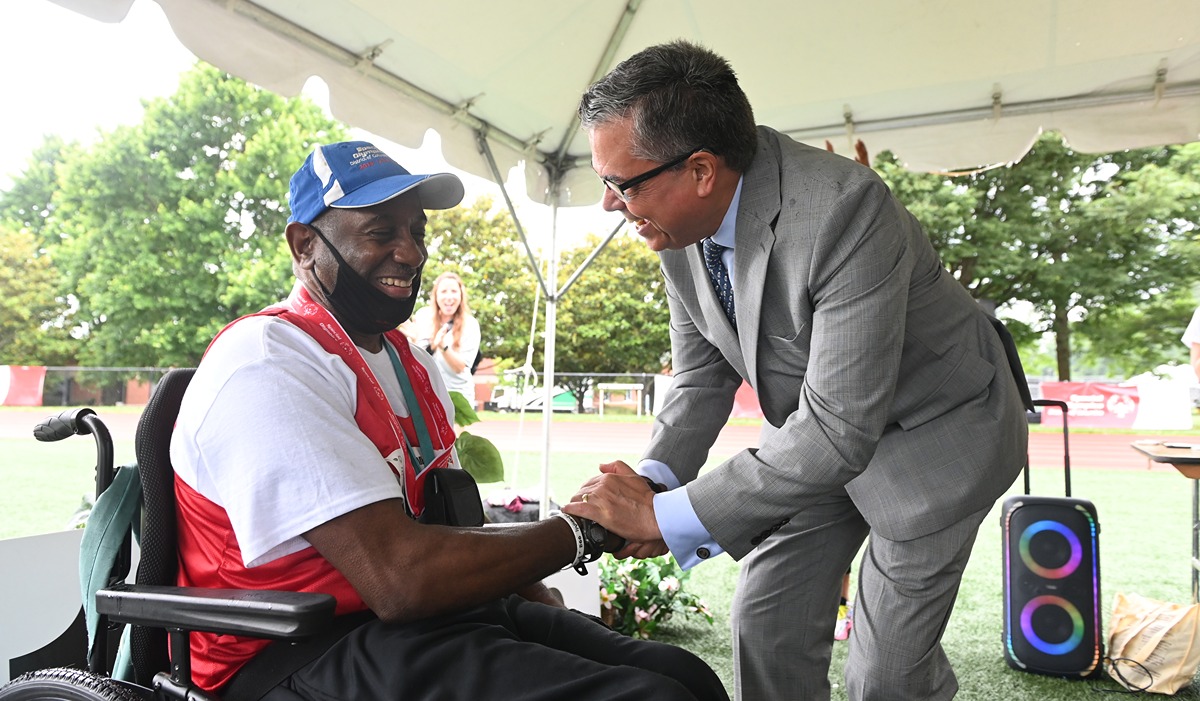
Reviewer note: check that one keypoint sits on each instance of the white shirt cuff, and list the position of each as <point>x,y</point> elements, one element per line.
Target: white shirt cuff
<point>659,472</point>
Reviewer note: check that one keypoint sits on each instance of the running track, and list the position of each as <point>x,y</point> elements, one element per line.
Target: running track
<point>626,441</point>
<point>1089,451</point>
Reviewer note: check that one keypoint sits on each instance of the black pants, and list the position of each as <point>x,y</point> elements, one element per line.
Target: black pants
<point>507,649</point>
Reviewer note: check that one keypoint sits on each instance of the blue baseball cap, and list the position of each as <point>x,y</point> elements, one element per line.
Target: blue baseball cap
<point>351,174</point>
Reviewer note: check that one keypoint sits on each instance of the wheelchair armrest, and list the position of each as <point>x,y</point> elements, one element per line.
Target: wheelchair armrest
<point>255,613</point>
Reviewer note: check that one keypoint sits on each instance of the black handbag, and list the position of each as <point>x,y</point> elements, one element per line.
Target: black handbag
<point>451,498</point>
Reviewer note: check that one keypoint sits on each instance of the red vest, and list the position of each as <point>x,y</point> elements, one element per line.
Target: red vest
<point>208,549</point>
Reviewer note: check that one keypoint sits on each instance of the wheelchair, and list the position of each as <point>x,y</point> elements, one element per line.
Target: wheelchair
<point>156,610</point>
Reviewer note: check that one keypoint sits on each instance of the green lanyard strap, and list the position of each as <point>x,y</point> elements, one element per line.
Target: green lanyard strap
<point>414,409</point>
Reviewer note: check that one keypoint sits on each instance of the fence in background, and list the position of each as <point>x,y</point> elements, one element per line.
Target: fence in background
<point>75,385</point>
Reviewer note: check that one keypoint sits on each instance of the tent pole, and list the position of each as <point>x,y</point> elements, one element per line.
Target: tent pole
<point>485,149</point>
<point>588,261</point>
<point>548,285</point>
<point>548,358</point>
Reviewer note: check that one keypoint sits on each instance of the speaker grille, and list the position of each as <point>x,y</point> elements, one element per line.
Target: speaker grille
<point>1052,585</point>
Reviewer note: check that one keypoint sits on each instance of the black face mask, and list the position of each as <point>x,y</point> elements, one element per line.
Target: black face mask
<point>357,304</point>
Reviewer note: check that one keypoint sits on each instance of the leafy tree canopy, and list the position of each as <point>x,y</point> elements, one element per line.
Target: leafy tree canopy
<point>615,317</point>
<point>166,230</point>
<point>143,245</point>
<point>30,328</point>
<point>1077,237</point>
<point>612,319</point>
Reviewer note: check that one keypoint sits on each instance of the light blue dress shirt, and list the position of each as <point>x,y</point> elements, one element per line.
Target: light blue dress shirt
<point>677,520</point>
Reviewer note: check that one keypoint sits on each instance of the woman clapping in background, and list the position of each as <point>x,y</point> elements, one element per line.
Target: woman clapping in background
<point>449,332</point>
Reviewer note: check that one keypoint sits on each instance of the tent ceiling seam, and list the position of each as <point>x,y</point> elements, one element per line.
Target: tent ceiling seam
<point>1155,94</point>
<point>602,66</point>
<point>290,30</point>
<point>485,149</point>
<point>1160,81</point>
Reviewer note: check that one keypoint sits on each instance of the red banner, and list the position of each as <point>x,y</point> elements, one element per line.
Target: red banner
<point>1091,404</point>
<point>21,385</point>
<point>745,403</point>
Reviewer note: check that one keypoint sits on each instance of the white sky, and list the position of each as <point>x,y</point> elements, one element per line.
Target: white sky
<point>73,76</point>
<point>69,75</point>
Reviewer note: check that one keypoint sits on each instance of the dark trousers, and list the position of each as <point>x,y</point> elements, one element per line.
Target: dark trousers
<point>507,649</point>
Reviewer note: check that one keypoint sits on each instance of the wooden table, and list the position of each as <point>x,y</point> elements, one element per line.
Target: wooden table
<point>1187,461</point>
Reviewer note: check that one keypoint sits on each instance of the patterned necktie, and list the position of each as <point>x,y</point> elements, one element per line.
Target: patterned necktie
<point>720,277</point>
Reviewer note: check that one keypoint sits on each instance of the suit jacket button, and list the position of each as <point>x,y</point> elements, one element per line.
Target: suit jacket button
<point>703,553</point>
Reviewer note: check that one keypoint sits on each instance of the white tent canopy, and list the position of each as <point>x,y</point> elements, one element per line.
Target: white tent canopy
<point>944,84</point>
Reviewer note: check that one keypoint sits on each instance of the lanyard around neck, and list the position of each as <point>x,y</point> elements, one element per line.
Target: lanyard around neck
<point>414,408</point>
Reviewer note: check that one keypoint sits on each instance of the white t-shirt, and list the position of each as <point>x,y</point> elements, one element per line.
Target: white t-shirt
<point>1192,334</point>
<point>267,432</point>
<point>468,348</point>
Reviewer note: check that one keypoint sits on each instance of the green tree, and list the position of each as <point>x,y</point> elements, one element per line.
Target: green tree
<point>34,323</point>
<point>615,317</point>
<point>171,228</point>
<point>29,202</point>
<point>612,319</point>
<point>1065,232</point>
<point>30,328</point>
<point>1135,338</point>
<point>1158,205</point>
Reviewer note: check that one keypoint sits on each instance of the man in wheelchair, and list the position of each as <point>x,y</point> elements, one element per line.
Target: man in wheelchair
<point>302,449</point>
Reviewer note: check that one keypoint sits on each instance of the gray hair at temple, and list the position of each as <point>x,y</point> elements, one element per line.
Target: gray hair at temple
<point>679,96</point>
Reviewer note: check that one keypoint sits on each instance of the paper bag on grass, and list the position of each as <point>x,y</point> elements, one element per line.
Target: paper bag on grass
<point>1160,637</point>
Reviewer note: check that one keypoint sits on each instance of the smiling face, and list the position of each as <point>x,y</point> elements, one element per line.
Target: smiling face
<point>448,296</point>
<point>385,244</point>
<point>382,251</point>
<point>671,210</point>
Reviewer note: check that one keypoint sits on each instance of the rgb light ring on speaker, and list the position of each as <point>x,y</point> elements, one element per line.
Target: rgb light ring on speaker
<point>1058,572</point>
<point>1052,648</point>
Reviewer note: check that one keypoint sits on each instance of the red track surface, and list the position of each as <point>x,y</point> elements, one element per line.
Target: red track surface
<point>625,441</point>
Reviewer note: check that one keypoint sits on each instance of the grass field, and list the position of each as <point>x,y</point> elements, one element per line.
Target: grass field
<point>43,484</point>
<point>1145,522</point>
<point>1145,525</point>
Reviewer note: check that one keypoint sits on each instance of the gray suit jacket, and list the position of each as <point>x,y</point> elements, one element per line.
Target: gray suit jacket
<point>875,370</point>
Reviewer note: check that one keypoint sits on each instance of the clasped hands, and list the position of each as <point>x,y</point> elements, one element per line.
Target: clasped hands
<point>622,501</point>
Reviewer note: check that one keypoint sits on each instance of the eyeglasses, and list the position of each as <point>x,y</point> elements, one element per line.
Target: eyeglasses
<point>619,189</point>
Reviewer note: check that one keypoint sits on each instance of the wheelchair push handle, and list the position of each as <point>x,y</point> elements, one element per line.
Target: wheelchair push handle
<point>69,423</point>
<point>81,422</point>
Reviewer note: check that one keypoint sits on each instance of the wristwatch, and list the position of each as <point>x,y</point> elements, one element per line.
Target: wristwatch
<point>595,539</point>
<point>655,486</point>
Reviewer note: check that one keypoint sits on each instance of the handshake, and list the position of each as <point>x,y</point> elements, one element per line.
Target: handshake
<point>614,512</point>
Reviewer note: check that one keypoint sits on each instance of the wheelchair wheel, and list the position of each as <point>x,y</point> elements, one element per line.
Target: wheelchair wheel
<point>68,685</point>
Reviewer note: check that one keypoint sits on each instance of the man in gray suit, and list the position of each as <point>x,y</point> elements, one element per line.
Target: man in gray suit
<point>890,405</point>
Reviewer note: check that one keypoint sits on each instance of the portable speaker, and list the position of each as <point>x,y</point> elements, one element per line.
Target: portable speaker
<point>1052,586</point>
<point>1052,578</point>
